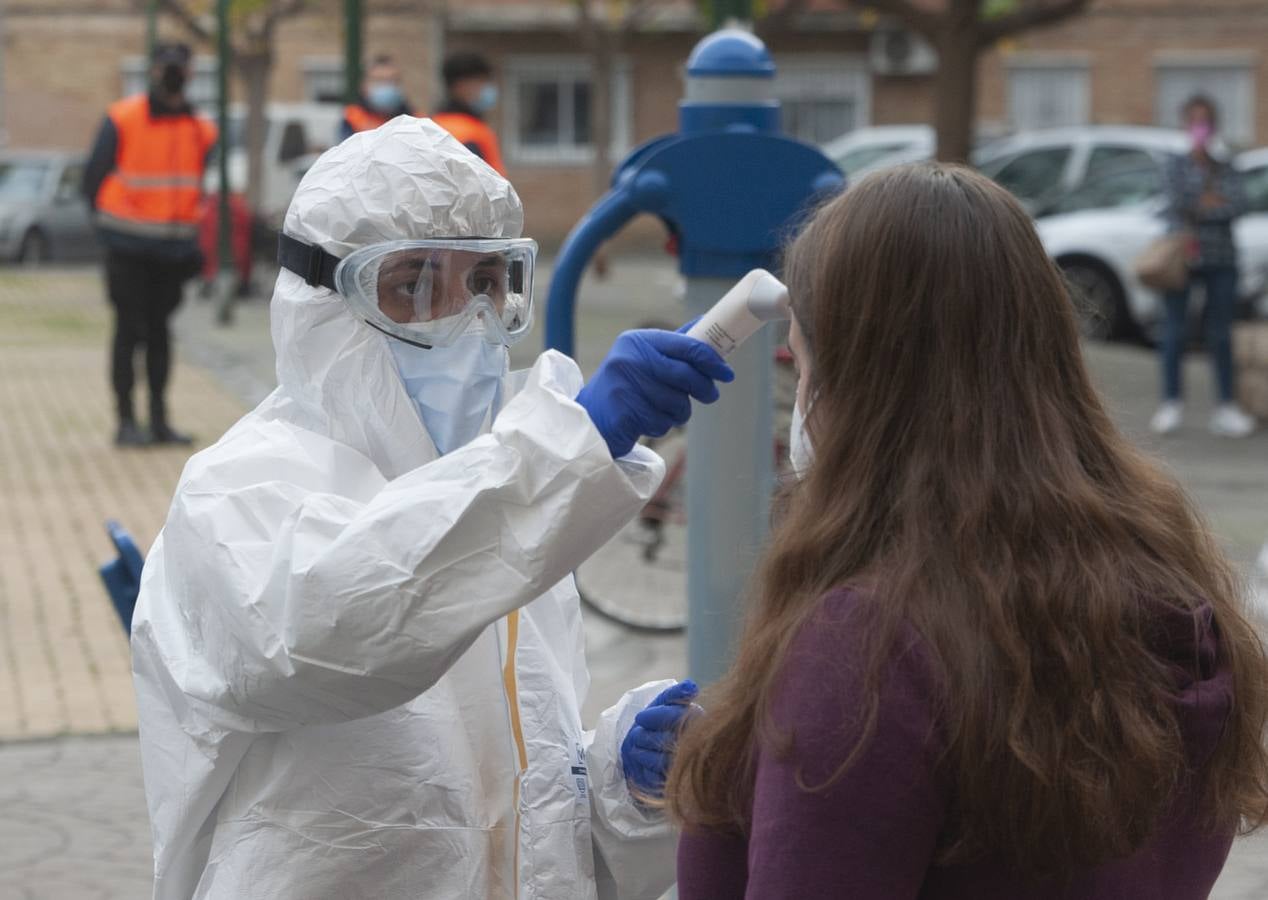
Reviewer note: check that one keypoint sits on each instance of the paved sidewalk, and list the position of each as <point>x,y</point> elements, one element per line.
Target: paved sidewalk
<point>63,657</point>
<point>73,826</point>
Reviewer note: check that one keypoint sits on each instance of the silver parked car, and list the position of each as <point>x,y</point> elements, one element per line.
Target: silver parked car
<point>42,214</point>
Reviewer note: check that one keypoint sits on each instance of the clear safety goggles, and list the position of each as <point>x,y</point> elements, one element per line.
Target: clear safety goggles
<point>429,292</point>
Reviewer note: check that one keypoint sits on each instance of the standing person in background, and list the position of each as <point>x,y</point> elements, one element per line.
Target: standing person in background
<point>382,99</point>
<point>1205,194</point>
<point>470,95</point>
<point>144,181</point>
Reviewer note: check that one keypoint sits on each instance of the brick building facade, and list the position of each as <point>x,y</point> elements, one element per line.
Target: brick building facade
<point>1125,61</point>
<point>1134,62</point>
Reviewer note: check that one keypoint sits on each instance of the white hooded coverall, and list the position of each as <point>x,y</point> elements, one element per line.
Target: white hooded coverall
<point>359,667</point>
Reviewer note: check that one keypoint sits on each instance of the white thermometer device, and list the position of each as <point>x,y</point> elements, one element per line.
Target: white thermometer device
<point>759,297</point>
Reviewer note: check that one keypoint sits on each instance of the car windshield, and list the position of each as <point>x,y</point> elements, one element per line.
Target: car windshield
<point>236,134</point>
<point>857,158</point>
<point>22,179</point>
<point>1127,187</point>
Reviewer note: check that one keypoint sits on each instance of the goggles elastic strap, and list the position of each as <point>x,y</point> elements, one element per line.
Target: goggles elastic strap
<point>313,264</point>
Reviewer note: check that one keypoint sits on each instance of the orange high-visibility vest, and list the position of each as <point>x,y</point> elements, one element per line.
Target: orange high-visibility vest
<point>361,119</point>
<point>475,134</point>
<point>156,188</point>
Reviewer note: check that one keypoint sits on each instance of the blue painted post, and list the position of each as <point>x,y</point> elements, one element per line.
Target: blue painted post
<point>730,84</point>
<point>729,186</point>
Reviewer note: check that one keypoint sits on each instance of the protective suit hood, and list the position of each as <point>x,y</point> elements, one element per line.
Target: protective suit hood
<point>409,179</point>
<point>359,665</point>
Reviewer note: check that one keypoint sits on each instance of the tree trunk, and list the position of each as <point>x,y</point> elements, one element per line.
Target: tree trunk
<point>254,70</point>
<point>955,90</point>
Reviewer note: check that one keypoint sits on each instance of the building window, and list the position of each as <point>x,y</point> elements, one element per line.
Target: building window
<point>547,116</point>
<point>1231,84</point>
<point>821,96</point>
<point>1047,94</point>
<point>201,89</point>
<point>323,79</point>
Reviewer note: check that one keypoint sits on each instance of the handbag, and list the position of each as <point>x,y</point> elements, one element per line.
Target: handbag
<point>1164,264</point>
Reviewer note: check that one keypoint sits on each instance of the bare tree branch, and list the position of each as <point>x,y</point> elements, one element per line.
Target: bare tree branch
<point>926,24</point>
<point>1034,14</point>
<point>186,17</point>
<point>283,9</point>
<point>779,19</point>
<point>636,17</point>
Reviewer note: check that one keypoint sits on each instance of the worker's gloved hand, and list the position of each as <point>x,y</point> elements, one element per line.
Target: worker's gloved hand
<point>648,749</point>
<point>645,386</point>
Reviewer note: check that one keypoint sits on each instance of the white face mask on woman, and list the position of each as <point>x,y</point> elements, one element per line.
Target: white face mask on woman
<point>800,453</point>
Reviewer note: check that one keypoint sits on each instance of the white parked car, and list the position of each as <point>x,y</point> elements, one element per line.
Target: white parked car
<point>1036,166</point>
<point>1096,232</point>
<point>294,134</point>
<point>866,149</point>
<point>1039,166</point>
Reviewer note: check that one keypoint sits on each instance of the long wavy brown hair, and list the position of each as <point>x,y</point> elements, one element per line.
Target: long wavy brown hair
<point>967,475</point>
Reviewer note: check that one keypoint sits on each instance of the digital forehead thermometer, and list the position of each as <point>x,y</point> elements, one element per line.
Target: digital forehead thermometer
<point>758,298</point>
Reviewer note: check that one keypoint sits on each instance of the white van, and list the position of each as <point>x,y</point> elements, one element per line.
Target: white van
<point>294,134</point>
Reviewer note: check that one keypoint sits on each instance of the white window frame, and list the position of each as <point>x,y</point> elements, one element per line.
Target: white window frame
<point>318,70</point>
<point>135,72</point>
<point>826,76</point>
<point>1238,117</point>
<point>569,68</point>
<point>1071,66</point>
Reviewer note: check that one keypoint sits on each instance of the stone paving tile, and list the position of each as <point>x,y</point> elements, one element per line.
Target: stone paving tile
<point>73,825</point>
<point>63,657</point>
<point>72,821</point>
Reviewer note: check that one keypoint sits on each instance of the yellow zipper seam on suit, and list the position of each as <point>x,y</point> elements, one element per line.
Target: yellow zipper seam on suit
<point>517,729</point>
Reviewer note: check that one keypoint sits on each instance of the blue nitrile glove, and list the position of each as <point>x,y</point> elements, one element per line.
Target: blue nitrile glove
<point>645,386</point>
<point>648,748</point>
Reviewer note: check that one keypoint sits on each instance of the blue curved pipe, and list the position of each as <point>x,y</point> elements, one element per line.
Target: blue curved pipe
<point>605,219</point>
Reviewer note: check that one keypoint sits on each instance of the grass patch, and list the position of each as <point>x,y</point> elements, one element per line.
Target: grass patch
<point>26,324</point>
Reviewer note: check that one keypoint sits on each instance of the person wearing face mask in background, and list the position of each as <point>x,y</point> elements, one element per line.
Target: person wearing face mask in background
<point>382,99</point>
<point>1205,195</point>
<point>470,95</point>
<point>358,650</point>
<point>144,182</point>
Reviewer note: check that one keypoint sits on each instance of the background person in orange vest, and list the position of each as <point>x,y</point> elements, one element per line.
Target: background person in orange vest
<point>470,95</point>
<point>382,99</point>
<point>144,180</point>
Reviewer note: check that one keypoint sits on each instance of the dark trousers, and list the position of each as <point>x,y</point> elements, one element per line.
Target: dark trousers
<point>144,292</point>
<point>1221,304</point>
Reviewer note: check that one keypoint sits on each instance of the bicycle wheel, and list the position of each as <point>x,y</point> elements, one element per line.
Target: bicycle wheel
<point>639,578</point>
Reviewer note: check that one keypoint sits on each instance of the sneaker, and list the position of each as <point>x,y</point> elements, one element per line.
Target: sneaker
<point>1229,421</point>
<point>1168,418</point>
<point>130,434</point>
<point>162,434</point>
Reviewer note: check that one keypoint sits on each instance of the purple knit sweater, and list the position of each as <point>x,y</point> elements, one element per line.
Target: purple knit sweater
<point>872,835</point>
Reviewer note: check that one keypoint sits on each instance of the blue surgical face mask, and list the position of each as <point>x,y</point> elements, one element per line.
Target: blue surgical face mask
<point>384,96</point>
<point>488,97</point>
<point>455,389</point>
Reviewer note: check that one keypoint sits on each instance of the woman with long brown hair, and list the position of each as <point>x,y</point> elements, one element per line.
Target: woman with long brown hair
<point>994,651</point>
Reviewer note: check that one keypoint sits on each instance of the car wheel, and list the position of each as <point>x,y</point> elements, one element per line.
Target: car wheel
<point>34,249</point>
<point>1098,300</point>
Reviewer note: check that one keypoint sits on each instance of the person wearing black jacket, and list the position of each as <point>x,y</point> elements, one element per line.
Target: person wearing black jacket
<point>143,181</point>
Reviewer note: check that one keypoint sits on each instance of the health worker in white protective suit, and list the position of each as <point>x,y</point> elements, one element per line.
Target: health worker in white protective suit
<point>358,650</point>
